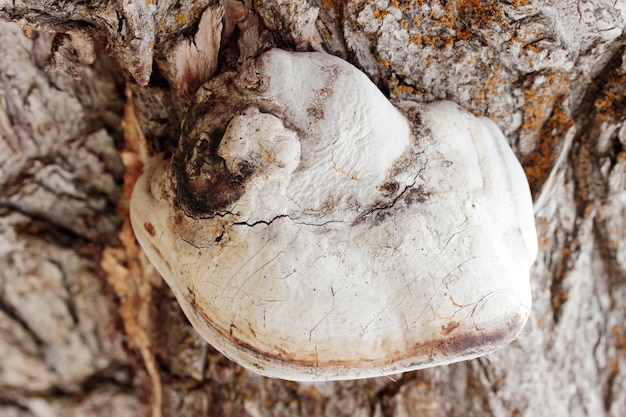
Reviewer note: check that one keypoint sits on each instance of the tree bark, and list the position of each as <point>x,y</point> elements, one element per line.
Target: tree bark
<point>87,327</point>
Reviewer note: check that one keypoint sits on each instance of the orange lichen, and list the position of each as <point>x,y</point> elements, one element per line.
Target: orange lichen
<point>330,4</point>
<point>491,87</point>
<point>403,89</point>
<point>448,41</point>
<point>335,5</point>
<point>416,39</point>
<point>614,364</point>
<point>540,99</point>
<point>609,106</point>
<point>559,298</point>
<point>181,18</point>
<point>481,14</point>
<point>544,236</point>
<point>611,102</point>
<point>619,342</point>
<point>460,20</point>
<point>547,118</point>
<point>433,14</point>
<point>620,338</point>
<point>431,40</point>
<point>383,62</point>
<point>539,162</point>
<point>379,14</point>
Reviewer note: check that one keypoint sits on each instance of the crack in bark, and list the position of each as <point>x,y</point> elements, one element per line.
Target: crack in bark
<point>12,313</point>
<point>117,375</point>
<point>48,230</point>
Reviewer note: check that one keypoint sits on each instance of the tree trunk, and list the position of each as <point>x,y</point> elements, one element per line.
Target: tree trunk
<point>87,328</point>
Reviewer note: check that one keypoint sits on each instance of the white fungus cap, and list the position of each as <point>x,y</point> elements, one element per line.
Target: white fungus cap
<point>344,238</point>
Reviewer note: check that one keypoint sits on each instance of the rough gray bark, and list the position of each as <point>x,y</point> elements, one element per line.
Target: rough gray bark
<point>86,328</point>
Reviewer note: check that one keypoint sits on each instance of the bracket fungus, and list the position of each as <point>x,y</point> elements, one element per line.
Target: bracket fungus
<point>312,230</point>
